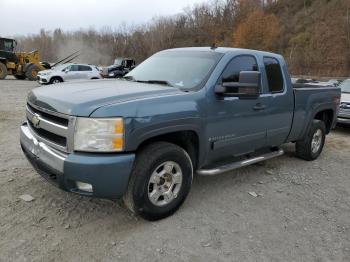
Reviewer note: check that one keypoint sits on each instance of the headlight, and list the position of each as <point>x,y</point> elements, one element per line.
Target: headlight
<point>99,134</point>
<point>111,74</point>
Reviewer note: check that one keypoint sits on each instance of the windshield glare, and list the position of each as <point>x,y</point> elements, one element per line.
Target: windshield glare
<point>181,69</point>
<point>345,86</point>
<point>118,61</point>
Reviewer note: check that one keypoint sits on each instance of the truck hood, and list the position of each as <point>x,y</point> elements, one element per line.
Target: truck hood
<point>82,98</point>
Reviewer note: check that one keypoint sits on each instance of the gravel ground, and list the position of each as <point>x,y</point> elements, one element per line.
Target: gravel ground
<point>301,211</point>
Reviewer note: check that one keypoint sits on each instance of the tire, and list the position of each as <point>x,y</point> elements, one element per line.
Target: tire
<point>20,77</point>
<point>32,72</point>
<point>3,71</point>
<point>311,146</point>
<point>55,80</point>
<point>156,190</point>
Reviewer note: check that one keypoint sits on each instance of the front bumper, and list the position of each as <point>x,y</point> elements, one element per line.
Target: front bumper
<point>107,173</point>
<point>344,116</point>
<point>43,80</point>
<point>343,120</point>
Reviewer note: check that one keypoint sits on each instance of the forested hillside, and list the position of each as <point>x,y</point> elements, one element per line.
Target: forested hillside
<point>313,35</point>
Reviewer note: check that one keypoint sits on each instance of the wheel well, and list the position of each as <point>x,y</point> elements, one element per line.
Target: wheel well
<point>327,117</point>
<point>57,77</point>
<point>188,140</point>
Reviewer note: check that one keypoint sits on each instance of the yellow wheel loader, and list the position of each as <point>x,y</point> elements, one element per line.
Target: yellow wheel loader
<point>21,65</point>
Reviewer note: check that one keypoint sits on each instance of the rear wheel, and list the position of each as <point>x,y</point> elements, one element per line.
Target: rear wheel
<point>3,71</point>
<point>311,146</point>
<point>32,72</point>
<point>160,181</point>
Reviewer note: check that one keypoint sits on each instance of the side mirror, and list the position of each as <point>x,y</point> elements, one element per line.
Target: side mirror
<point>66,70</point>
<point>247,87</point>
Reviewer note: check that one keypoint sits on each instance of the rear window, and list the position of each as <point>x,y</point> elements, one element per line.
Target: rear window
<point>274,75</point>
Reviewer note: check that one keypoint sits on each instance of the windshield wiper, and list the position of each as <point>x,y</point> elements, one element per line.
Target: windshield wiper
<point>160,82</point>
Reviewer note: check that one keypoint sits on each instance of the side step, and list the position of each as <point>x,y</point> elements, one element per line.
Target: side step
<point>235,165</point>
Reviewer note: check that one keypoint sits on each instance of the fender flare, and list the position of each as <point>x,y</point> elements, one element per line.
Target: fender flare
<point>311,116</point>
<point>141,135</point>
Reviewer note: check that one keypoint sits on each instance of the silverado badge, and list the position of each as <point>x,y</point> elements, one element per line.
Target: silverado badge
<point>36,120</point>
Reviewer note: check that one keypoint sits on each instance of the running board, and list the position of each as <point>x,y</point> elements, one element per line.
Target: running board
<point>235,165</point>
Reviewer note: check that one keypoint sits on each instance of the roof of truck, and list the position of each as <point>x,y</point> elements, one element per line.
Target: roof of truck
<point>224,50</point>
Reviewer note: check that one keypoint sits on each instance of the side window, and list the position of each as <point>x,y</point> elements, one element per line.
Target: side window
<point>238,64</point>
<point>67,68</point>
<point>274,75</point>
<point>8,46</point>
<point>74,68</point>
<point>84,68</point>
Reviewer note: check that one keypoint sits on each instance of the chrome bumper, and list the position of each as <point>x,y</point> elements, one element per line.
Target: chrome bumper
<point>52,157</point>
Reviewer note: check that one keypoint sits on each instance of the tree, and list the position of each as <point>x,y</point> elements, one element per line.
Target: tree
<point>257,31</point>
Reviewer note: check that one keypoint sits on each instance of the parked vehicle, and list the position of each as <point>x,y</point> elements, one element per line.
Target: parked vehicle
<point>344,112</point>
<point>121,67</point>
<point>68,72</point>
<point>22,65</point>
<point>180,112</point>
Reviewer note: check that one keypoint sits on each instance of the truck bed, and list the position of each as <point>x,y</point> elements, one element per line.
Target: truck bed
<point>309,99</point>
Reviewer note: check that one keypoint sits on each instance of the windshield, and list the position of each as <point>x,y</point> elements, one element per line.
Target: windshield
<point>345,86</point>
<point>118,61</point>
<point>181,69</point>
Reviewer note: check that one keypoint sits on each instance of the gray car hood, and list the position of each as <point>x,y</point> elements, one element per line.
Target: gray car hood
<point>82,98</point>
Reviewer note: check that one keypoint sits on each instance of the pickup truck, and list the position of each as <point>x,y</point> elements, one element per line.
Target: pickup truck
<point>180,112</point>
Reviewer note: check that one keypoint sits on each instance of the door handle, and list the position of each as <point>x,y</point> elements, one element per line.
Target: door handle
<point>259,107</point>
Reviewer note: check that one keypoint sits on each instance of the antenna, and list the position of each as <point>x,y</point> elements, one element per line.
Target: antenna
<point>213,46</point>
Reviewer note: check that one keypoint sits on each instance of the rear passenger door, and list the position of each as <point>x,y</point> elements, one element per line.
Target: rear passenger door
<point>85,71</point>
<point>279,112</point>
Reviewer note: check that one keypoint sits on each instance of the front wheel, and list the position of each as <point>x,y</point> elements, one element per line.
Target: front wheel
<point>311,146</point>
<point>160,181</point>
<point>55,80</point>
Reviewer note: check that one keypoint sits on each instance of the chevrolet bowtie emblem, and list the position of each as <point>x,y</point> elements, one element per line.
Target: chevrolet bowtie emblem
<point>36,120</point>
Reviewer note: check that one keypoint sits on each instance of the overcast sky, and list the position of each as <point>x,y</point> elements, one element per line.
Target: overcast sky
<point>20,17</point>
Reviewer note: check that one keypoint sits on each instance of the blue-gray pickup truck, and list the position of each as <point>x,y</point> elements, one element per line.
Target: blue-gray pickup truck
<point>180,112</point>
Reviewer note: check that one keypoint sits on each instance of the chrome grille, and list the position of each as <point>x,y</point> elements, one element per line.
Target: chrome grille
<point>52,128</point>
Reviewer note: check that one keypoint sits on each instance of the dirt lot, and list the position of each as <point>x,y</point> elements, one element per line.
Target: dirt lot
<point>302,212</point>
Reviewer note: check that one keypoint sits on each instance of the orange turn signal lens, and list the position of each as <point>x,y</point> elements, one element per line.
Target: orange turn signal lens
<point>118,143</point>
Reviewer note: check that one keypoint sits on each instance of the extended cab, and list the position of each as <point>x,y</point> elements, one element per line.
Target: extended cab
<point>180,112</point>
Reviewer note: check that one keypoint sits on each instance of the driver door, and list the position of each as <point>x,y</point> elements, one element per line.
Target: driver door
<point>236,125</point>
<point>71,73</point>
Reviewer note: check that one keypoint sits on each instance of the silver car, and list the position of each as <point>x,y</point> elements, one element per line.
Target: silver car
<point>344,112</point>
<point>68,72</point>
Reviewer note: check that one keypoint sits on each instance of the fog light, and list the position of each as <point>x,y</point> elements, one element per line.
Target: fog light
<point>84,186</point>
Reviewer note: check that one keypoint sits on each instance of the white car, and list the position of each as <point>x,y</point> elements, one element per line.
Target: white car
<point>68,72</point>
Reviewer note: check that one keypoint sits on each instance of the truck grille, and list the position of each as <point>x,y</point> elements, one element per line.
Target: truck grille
<point>344,110</point>
<point>49,127</point>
